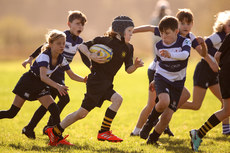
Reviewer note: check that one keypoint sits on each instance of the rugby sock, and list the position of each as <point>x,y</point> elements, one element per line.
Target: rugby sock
<point>154,136</point>
<point>208,125</point>
<point>64,100</point>
<point>106,124</point>
<point>58,130</point>
<point>226,128</point>
<point>11,113</point>
<point>38,115</point>
<point>154,115</point>
<point>136,131</point>
<point>55,113</point>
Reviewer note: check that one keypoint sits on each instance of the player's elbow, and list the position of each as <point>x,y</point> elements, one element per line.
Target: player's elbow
<point>130,70</point>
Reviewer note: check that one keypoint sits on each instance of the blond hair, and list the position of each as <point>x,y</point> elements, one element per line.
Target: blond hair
<point>51,36</point>
<point>110,33</point>
<point>221,19</point>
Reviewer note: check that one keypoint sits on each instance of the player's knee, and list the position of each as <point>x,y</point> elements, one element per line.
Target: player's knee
<point>226,112</point>
<point>117,100</point>
<point>187,96</point>
<point>196,107</point>
<point>82,115</point>
<point>162,105</point>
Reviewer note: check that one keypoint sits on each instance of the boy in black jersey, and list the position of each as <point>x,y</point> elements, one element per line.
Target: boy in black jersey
<point>100,81</point>
<point>223,58</point>
<point>76,22</point>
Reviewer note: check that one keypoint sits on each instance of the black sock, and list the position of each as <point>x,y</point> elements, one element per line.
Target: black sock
<point>208,125</point>
<point>154,115</point>
<point>55,113</point>
<point>58,130</point>
<point>11,113</point>
<point>38,115</point>
<point>154,136</point>
<point>63,101</point>
<point>106,124</point>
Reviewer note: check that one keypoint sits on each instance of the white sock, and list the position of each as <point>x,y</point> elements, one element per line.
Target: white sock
<point>136,131</point>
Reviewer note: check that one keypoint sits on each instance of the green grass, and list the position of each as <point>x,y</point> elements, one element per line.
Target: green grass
<point>133,88</point>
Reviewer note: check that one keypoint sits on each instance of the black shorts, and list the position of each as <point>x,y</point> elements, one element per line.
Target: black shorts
<point>151,75</point>
<point>97,92</point>
<point>224,82</point>
<point>204,76</point>
<point>30,87</point>
<point>174,92</point>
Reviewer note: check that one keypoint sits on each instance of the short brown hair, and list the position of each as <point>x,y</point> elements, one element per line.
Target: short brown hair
<point>168,22</point>
<point>77,15</point>
<point>185,14</point>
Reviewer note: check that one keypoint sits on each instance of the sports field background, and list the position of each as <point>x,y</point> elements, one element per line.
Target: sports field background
<point>133,88</point>
<point>23,25</point>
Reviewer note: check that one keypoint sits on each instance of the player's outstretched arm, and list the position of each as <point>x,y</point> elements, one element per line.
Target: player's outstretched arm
<point>32,56</point>
<point>27,61</point>
<point>138,63</point>
<point>76,77</point>
<point>175,55</point>
<point>144,28</point>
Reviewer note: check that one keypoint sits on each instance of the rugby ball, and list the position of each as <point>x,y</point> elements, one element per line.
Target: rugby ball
<point>102,50</point>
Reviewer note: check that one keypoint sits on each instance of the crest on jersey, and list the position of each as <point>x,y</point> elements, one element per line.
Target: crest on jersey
<point>123,54</point>
<point>187,42</point>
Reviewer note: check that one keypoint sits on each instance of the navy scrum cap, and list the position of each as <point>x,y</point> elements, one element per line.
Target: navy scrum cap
<point>120,23</point>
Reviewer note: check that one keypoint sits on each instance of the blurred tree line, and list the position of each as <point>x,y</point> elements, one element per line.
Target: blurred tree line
<point>18,37</point>
<point>24,23</point>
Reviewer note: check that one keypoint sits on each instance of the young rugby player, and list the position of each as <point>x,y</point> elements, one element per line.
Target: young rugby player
<point>185,17</point>
<point>223,58</point>
<point>172,54</point>
<point>76,21</point>
<point>204,75</point>
<point>33,85</point>
<point>100,80</point>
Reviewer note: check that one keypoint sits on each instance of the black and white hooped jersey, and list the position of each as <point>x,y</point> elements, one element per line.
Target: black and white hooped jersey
<point>173,69</point>
<point>190,35</point>
<point>214,42</point>
<point>71,45</point>
<point>45,60</point>
<point>70,49</point>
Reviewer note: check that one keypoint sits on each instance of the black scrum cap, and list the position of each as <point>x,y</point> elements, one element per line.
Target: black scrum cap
<point>120,23</point>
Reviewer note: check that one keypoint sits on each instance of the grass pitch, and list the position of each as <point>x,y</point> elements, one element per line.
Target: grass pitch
<point>133,88</point>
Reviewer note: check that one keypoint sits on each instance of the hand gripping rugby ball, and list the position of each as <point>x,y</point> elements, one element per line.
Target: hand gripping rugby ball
<point>102,50</point>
